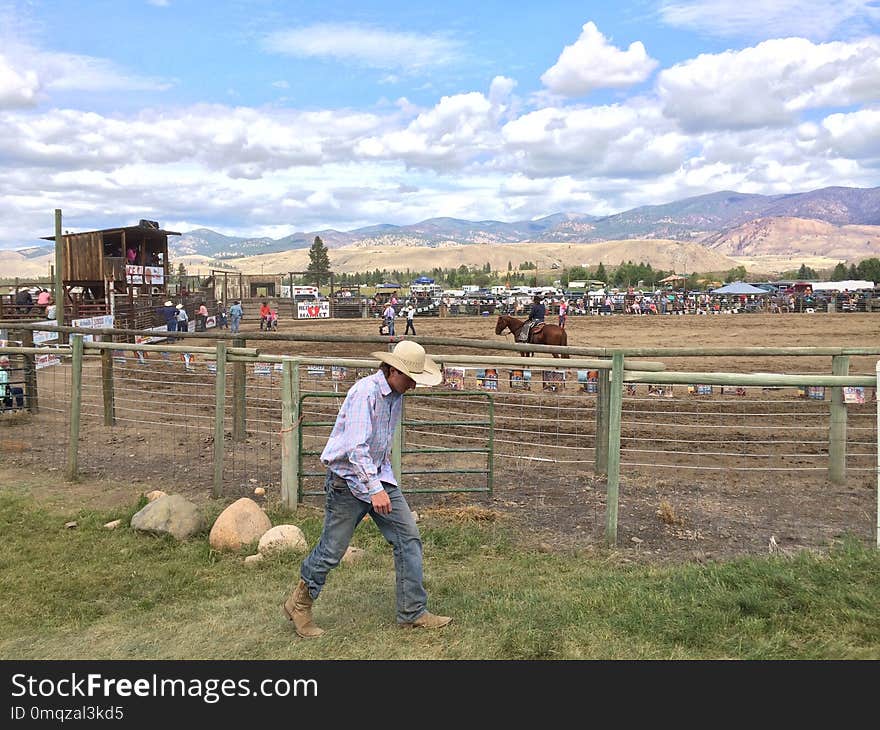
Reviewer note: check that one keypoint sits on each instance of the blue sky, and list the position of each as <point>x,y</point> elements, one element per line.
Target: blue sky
<point>262,118</point>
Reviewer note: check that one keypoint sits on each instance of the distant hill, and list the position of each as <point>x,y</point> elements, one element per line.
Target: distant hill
<point>698,219</point>
<point>831,224</point>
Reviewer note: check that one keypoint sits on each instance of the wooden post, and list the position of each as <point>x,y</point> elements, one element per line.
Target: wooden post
<point>59,272</point>
<point>30,373</point>
<point>602,404</point>
<point>239,401</point>
<point>76,344</point>
<point>290,434</point>
<point>615,405</point>
<point>837,428</point>
<point>107,387</point>
<point>877,500</point>
<point>219,411</point>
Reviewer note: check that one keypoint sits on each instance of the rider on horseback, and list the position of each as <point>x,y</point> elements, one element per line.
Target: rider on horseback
<point>537,314</point>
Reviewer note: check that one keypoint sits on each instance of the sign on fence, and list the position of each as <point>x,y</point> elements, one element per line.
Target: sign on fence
<point>313,310</point>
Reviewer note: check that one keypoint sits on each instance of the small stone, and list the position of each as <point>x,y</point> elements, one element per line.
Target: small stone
<point>637,540</point>
<point>259,491</point>
<point>113,524</point>
<point>70,525</point>
<point>415,515</point>
<point>545,547</point>
<point>253,559</point>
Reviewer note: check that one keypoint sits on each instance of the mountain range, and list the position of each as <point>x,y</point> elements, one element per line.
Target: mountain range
<point>704,218</point>
<point>717,230</point>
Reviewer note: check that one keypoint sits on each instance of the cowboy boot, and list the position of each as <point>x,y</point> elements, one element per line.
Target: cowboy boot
<point>298,608</point>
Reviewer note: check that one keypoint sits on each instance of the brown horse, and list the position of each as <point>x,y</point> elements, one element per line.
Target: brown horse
<point>549,334</point>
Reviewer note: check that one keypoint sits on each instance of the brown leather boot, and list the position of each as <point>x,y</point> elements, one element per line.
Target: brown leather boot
<point>427,621</point>
<point>298,608</point>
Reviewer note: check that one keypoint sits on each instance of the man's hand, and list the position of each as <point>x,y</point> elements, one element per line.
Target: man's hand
<point>381,502</point>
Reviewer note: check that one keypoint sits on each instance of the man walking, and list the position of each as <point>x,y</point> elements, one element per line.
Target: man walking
<point>235,315</point>
<point>360,481</point>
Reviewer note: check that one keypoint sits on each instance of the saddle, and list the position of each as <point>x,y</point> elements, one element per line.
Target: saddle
<point>526,334</point>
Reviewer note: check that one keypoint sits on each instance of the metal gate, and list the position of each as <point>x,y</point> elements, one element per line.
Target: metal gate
<point>399,451</point>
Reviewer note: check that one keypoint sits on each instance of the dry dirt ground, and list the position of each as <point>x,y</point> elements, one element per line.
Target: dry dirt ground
<point>663,516</point>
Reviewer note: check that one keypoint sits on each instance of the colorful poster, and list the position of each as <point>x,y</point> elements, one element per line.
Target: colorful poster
<point>337,372</point>
<point>660,391</point>
<point>629,388</point>
<point>553,380</point>
<point>738,390</point>
<point>153,275</point>
<point>813,392</point>
<point>262,368</point>
<point>488,379</point>
<point>700,389</point>
<point>316,371</point>
<point>853,394</point>
<point>520,379</point>
<point>134,274</point>
<point>212,366</point>
<point>588,380</point>
<point>453,378</point>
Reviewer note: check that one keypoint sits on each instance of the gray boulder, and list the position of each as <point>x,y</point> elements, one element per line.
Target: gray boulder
<point>169,515</point>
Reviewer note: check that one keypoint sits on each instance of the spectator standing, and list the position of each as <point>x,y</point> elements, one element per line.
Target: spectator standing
<point>388,317</point>
<point>202,318</point>
<point>273,320</point>
<point>563,312</point>
<point>182,319</point>
<point>221,316</point>
<point>235,315</point>
<point>410,314</point>
<point>168,312</point>
<point>265,313</point>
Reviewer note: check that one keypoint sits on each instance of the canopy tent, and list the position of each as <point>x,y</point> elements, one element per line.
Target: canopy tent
<point>849,285</point>
<point>672,278</point>
<point>740,287</point>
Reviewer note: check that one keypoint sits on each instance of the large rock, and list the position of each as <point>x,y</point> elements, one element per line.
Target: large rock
<point>169,515</point>
<point>282,538</point>
<point>240,524</point>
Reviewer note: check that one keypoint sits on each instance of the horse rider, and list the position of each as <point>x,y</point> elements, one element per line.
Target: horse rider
<point>536,314</point>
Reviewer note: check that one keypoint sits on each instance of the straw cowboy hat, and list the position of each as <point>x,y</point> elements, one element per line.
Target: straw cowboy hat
<point>169,303</point>
<point>180,306</point>
<point>410,359</point>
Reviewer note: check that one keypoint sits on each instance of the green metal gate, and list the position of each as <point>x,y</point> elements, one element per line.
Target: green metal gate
<point>399,452</point>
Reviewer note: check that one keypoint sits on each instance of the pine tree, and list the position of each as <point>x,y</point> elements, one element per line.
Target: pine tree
<point>319,261</point>
<point>600,273</point>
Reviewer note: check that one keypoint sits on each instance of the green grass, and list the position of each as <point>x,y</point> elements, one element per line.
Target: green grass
<point>93,593</point>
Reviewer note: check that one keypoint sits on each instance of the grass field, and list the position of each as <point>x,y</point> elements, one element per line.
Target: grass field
<point>91,593</point>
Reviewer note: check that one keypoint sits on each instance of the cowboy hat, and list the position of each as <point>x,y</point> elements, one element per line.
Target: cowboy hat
<point>409,358</point>
<point>169,303</point>
<point>180,306</point>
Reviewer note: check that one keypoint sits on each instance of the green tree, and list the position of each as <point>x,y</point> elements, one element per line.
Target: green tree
<point>869,269</point>
<point>737,273</point>
<point>600,274</point>
<point>839,273</point>
<point>319,261</point>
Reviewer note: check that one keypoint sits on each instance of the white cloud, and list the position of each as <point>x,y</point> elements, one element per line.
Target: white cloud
<point>360,45</point>
<point>18,87</point>
<point>592,63</point>
<point>816,19</point>
<point>769,84</point>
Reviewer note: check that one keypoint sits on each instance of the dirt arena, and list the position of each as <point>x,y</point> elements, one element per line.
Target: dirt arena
<point>688,515</point>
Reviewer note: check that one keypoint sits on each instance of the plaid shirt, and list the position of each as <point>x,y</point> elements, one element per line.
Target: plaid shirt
<point>359,448</point>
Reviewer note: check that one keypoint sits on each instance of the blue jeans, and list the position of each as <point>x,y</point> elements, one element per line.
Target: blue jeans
<point>236,321</point>
<point>343,511</point>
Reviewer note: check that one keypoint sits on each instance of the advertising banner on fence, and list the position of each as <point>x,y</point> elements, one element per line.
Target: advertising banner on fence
<point>134,274</point>
<point>313,310</point>
<point>154,275</point>
<point>148,339</point>
<point>46,361</point>
<point>102,321</point>
<point>41,338</point>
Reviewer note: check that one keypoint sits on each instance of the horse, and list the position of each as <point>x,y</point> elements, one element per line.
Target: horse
<point>548,334</point>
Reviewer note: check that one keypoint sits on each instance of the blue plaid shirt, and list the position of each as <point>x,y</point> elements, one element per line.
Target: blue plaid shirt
<point>359,448</point>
